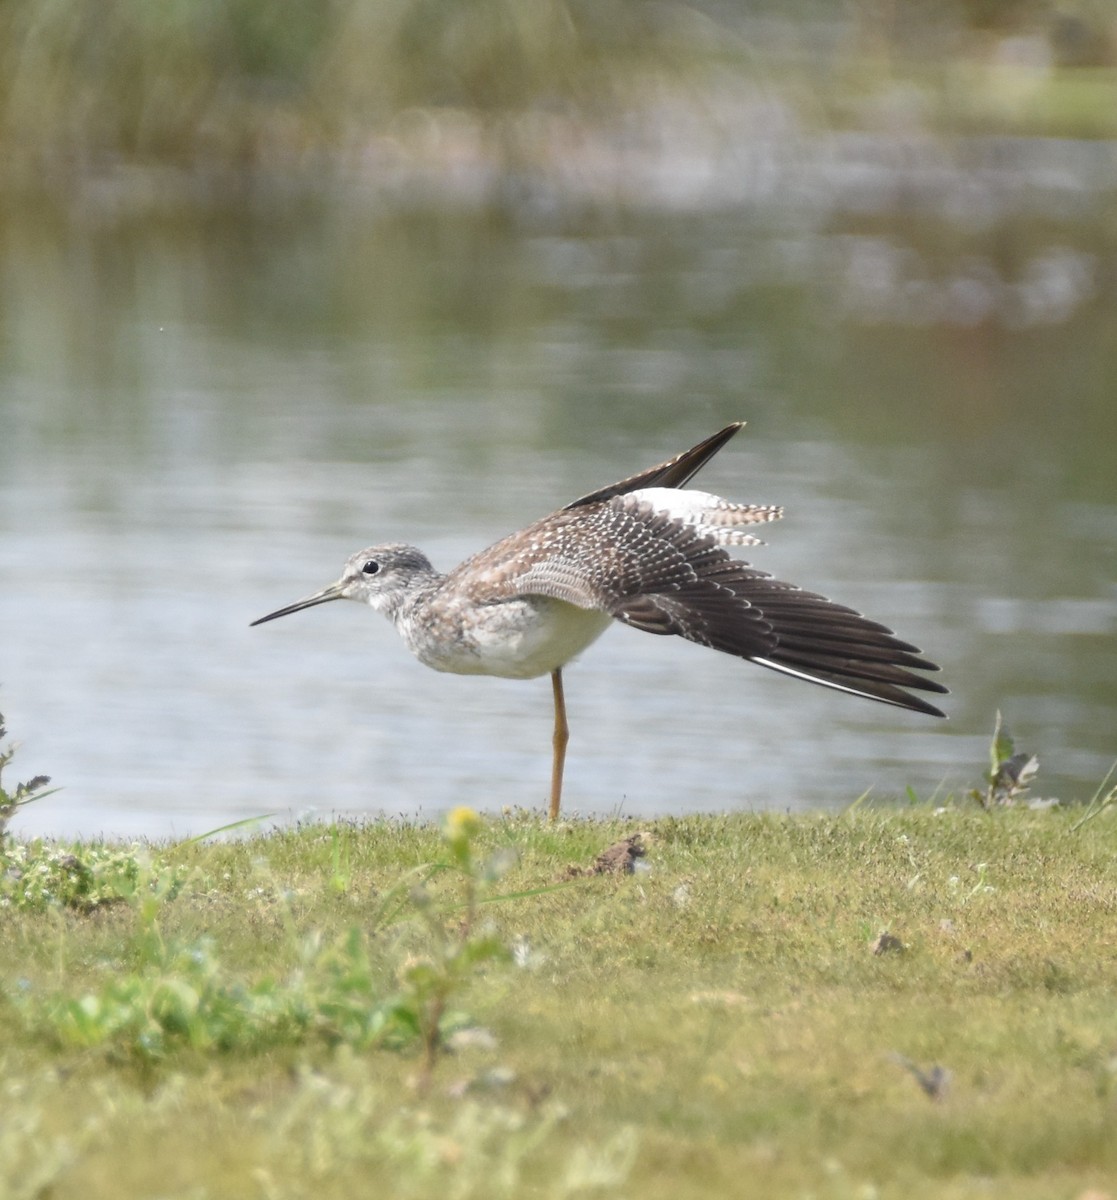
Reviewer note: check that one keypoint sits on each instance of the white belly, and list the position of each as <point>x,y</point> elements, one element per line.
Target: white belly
<point>518,639</point>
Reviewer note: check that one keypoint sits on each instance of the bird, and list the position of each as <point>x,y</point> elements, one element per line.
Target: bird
<point>649,552</point>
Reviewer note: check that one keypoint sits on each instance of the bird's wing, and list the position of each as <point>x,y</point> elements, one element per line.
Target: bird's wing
<point>659,573</point>
<point>674,473</point>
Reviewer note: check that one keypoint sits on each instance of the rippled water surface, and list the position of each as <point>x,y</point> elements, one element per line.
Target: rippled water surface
<point>202,415</point>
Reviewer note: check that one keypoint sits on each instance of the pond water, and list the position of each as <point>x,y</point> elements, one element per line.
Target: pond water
<point>202,413</point>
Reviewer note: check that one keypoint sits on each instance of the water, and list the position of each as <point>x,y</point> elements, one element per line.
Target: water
<point>203,413</point>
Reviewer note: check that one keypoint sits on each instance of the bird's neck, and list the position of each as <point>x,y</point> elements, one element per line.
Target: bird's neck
<point>404,605</point>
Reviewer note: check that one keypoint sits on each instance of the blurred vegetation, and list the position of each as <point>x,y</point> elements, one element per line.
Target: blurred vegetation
<point>288,85</point>
<point>252,83</point>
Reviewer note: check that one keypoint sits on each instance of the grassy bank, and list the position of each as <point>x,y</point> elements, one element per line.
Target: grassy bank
<point>727,1020</point>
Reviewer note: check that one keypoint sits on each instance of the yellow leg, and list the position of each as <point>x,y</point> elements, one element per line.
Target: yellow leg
<point>562,736</point>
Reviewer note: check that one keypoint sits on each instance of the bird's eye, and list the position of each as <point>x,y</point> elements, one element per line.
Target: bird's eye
<point>371,567</point>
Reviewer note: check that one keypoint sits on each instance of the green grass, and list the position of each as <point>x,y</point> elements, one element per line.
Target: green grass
<point>716,1024</point>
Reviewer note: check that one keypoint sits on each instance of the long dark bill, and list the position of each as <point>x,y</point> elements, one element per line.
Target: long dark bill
<point>333,592</point>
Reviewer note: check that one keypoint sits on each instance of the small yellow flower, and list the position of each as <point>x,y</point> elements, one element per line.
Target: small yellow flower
<point>462,823</point>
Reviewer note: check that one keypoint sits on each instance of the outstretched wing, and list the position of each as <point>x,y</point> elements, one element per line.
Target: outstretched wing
<point>667,574</point>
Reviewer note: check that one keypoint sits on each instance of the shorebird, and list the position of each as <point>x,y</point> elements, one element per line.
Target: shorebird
<point>645,551</point>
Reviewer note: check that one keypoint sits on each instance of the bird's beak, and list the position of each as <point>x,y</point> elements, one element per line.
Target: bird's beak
<point>333,592</point>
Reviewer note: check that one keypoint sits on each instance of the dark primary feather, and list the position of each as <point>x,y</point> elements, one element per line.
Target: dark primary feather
<point>674,473</point>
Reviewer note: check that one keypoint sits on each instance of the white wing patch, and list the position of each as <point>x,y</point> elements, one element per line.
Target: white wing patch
<point>709,515</point>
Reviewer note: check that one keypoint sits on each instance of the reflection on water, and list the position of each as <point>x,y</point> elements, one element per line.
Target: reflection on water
<point>203,415</point>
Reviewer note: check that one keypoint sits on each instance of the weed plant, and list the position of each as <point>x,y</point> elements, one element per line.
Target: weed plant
<point>186,992</point>
<point>22,793</point>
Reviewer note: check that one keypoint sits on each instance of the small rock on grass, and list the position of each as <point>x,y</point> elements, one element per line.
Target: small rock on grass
<point>887,943</point>
<point>619,859</point>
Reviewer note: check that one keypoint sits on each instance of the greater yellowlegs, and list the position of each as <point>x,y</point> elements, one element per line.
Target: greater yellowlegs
<point>641,552</point>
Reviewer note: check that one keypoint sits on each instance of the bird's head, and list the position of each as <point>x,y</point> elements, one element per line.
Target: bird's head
<point>380,576</point>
